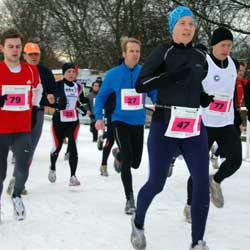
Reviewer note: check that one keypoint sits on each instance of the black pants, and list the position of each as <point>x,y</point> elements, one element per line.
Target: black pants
<point>228,140</point>
<point>61,130</point>
<point>93,130</point>
<point>109,136</point>
<point>129,139</point>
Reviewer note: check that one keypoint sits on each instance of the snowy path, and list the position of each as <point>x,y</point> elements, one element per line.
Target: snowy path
<point>91,217</point>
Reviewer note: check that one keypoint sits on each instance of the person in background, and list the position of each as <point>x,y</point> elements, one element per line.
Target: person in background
<point>92,97</point>
<point>65,122</point>
<point>32,55</point>
<point>128,117</point>
<point>84,101</point>
<point>221,118</point>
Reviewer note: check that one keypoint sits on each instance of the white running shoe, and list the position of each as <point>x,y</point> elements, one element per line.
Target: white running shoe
<point>73,181</point>
<point>103,170</point>
<point>215,161</point>
<point>130,205</point>
<point>11,185</point>
<point>187,213</point>
<point>18,208</point>
<point>216,192</point>
<point>200,246</point>
<point>137,238</point>
<point>52,176</point>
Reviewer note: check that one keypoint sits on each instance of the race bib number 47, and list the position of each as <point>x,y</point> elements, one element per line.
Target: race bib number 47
<point>184,122</point>
<point>17,97</point>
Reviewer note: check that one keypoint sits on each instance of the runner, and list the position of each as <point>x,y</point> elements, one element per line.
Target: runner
<point>220,116</point>
<point>32,55</point>
<point>65,122</point>
<point>128,117</point>
<point>176,70</point>
<point>19,90</point>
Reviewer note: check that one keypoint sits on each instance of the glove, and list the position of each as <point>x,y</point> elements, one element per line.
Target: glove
<point>3,98</point>
<point>62,103</point>
<point>248,115</point>
<point>33,117</point>
<point>205,99</point>
<point>83,110</point>
<point>181,73</point>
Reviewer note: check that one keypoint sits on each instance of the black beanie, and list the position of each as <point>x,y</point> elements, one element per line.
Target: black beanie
<point>67,66</point>
<point>221,34</point>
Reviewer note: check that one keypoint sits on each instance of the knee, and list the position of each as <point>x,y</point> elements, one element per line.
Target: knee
<point>155,187</point>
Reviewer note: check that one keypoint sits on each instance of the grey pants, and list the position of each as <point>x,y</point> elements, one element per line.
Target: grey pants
<point>21,146</point>
<point>35,135</point>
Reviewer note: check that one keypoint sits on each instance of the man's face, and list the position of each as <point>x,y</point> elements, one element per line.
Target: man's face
<point>32,58</point>
<point>132,55</point>
<point>12,49</point>
<point>241,72</point>
<point>222,49</point>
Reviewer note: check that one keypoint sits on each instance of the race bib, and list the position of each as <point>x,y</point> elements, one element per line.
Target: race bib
<point>131,100</point>
<point>184,122</point>
<point>17,99</point>
<point>67,115</point>
<point>220,106</point>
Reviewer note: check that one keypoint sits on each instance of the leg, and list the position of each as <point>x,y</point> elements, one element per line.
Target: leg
<point>161,150</point>
<point>122,133</point>
<point>22,148</point>
<point>4,150</point>
<point>230,144</point>
<point>196,154</point>
<point>73,155</point>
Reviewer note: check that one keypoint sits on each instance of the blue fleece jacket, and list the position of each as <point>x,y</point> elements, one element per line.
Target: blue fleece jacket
<point>116,79</point>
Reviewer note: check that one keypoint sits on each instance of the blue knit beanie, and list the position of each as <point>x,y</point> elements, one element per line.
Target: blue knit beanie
<point>176,14</point>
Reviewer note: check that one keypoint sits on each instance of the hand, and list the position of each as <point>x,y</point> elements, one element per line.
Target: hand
<point>62,103</point>
<point>99,125</point>
<point>206,99</point>
<point>3,98</point>
<point>89,113</point>
<point>33,117</point>
<point>83,110</point>
<point>181,73</point>
<point>51,98</point>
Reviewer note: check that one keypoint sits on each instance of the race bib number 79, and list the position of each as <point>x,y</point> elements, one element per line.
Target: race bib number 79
<point>17,97</point>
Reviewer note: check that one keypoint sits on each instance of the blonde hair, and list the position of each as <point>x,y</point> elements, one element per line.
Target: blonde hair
<point>125,40</point>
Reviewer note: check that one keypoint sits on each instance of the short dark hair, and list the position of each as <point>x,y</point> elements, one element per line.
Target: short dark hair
<point>10,33</point>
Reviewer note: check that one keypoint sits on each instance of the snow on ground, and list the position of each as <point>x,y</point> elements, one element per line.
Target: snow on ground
<point>91,216</point>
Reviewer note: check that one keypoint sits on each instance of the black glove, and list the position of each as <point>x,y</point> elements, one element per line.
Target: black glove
<point>205,99</point>
<point>181,73</point>
<point>62,103</point>
<point>33,117</point>
<point>3,98</point>
<point>248,115</point>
